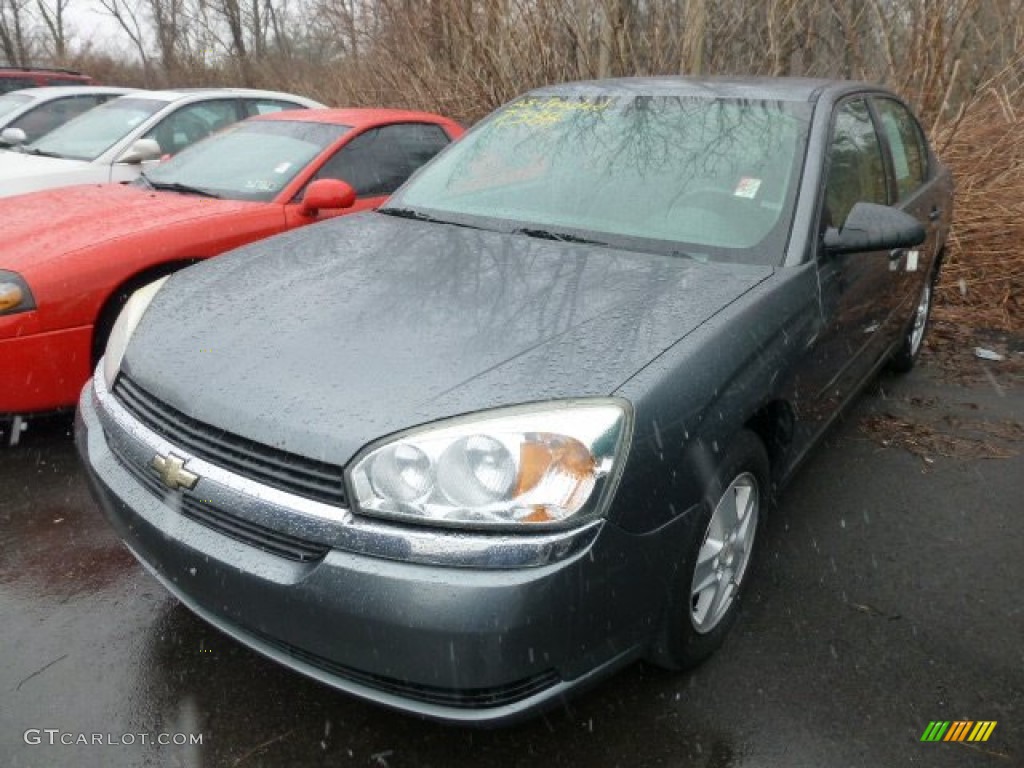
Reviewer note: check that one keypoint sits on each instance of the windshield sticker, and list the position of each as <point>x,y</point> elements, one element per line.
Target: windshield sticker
<point>261,185</point>
<point>282,167</point>
<point>535,112</point>
<point>747,188</point>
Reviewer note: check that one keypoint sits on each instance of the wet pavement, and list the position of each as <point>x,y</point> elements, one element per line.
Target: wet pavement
<point>888,594</point>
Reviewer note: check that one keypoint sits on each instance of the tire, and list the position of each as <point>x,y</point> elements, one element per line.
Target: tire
<point>115,303</point>
<point>105,322</point>
<point>913,338</point>
<point>704,600</point>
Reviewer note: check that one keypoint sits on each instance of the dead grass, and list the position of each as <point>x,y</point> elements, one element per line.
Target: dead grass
<point>982,282</point>
<point>950,438</point>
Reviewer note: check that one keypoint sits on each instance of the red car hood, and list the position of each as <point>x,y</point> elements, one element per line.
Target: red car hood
<point>43,226</point>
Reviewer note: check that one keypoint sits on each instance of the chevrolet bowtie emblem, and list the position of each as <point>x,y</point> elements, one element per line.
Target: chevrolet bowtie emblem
<point>173,473</point>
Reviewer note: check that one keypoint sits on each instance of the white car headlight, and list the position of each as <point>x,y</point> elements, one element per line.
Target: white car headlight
<point>544,465</point>
<point>125,326</point>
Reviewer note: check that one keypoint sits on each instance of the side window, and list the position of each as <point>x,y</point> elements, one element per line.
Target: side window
<point>856,172</point>
<point>906,142</point>
<point>8,84</point>
<point>193,122</point>
<point>356,163</point>
<point>266,106</point>
<point>418,143</point>
<point>379,161</point>
<point>44,118</point>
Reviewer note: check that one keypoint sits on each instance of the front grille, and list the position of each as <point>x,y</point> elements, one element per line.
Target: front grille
<point>460,698</point>
<point>255,535</point>
<point>302,476</point>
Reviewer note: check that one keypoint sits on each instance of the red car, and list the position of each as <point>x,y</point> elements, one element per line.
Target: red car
<point>72,256</point>
<point>16,78</point>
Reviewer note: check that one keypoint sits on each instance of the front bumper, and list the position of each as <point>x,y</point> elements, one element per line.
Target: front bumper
<point>460,628</point>
<point>43,371</point>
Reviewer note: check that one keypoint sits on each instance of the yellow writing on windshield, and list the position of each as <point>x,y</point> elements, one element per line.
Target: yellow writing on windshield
<point>548,111</point>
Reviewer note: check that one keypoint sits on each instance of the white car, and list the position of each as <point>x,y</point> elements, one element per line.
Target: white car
<point>28,114</point>
<point>119,139</point>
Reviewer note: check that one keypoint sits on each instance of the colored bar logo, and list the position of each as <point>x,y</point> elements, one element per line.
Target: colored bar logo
<point>958,730</point>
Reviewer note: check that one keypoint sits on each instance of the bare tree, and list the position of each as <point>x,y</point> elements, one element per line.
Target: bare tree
<point>14,23</point>
<point>128,15</point>
<point>52,13</point>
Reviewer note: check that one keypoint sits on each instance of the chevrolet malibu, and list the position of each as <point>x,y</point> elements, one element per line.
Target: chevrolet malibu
<point>72,257</point>
<point>467,454</point>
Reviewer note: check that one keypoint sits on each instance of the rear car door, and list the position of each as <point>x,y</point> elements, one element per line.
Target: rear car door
<point>918,190</point>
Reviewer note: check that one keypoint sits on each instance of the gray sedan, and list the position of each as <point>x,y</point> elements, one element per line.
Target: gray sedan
<point>469,453</point>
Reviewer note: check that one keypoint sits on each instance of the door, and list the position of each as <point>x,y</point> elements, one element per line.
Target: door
<point>192,122</point>
<point>859,300</point>
<point>378,161</point>
<point>915,194</point>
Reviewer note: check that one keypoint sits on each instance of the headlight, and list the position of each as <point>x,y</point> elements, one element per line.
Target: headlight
<point>545,465</point>
<point>15,295</point>
<point>124,327</point>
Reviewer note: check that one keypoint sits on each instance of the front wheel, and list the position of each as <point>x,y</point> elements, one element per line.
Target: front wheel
<point>904,359</point>
<point>705,597</point>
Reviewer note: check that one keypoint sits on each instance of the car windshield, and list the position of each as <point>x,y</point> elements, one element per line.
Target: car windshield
<point>12,101</point>
<point>93,133</point>
<point>709,177</point>
<point>247,161</point>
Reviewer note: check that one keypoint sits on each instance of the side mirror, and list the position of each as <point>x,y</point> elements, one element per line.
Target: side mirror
<point>141,151</point>
<point>13,136</point>
<point>873,227</point>
<point>327,194</point>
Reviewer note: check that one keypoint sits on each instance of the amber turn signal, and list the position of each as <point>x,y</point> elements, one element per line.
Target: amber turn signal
<point>11,296</point>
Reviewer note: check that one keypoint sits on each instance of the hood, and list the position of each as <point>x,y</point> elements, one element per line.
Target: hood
<point>326,338</point>
<point>48,226</point>
<point>21,173</point>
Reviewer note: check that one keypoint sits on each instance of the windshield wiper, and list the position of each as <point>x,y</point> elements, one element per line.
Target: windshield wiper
<point>701,257</point>
<point>562,237</point>
<point>185,189</point>
<point>42,153</point>
<point>409,213</point>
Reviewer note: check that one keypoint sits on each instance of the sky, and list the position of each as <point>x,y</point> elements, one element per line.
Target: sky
<point>90,22</point>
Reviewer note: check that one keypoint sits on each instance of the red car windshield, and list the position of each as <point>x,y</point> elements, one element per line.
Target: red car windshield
<point>247,161</point>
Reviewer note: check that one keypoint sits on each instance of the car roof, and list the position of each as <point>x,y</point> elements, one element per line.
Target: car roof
<point>775,88</point>
<point>357,117</point>
<point>49,92</point>
<point>4,68</point>
<point>176,94</point>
